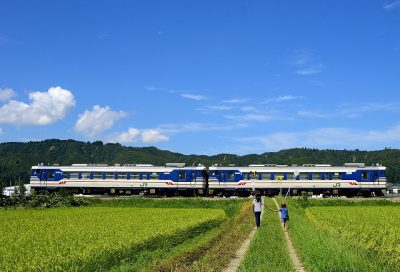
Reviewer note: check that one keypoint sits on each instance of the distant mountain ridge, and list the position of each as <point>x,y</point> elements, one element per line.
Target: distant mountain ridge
<point>17,158</point>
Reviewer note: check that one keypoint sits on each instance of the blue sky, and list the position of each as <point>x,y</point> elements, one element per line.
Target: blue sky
<point>202,77</point>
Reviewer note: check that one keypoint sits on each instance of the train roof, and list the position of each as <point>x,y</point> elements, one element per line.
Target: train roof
<point>347,167</point>
<point>119,167</point>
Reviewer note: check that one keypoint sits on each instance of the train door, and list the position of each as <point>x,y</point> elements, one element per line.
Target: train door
<point>193,179</point>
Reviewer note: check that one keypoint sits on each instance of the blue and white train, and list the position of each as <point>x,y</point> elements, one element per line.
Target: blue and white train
<point>176,179</point>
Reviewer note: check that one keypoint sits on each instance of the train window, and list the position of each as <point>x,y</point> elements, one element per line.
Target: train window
<point>85,175</point>
<point>364,175</point>
<point>376,176</point>
<point>336,175</point>
<point>134,175</point>
<point>245,176</point>
<point>97,175</point>
<point>154,175</point>
<point>326,176</point>
<point>316,176</point>
<point>35,172</point>
<point>122,175</point>
<point>110,175</point>
<point>303,175</point>
<point>182,175</point>
<point>266,176</point>
<point>193,176</point>
<point>74,175</point>
<point>214,173</point>
<point>278,176</point>
<point>230,175</point>
<point>50,174</point>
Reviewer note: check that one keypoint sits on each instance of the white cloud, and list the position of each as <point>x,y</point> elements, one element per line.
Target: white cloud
<point>134,135</point>
<point>220,107</point>
<point>153,136</point>
<point>391,5</point>
<point>193,96</point>
<point>6,94</point>
<point>45,108</point>
<point>311,69</point>
<point>251,117</point>
<point>314,114</point>
<point>392,134</point>
<point>351,111</point>
<point>288,97</point>
<point>305,64</point>
<point>236,100</point>
<point>130,136</point>
<point>195,127</point>
<point>330,137</point>
<point>282,98</point>
<point>91,123</point>
<point>248,108</point>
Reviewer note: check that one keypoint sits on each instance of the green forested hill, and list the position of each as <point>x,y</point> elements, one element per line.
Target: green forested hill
<point>16,159</point>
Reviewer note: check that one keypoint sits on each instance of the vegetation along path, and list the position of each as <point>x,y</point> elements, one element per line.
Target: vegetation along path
<point>292,252</point>
<point>241,252</point>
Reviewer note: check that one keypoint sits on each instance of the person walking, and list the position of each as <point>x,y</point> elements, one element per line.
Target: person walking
<point>257,204</point>
<point>284,211</point>
<point>284,214</point>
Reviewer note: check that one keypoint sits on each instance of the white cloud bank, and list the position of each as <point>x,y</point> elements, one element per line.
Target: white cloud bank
<point>194,96</point>
<point>91,123</point>
<point>134,135</point>
<point>45,108</point>
<point>330,137</point>
<point>6,94</point>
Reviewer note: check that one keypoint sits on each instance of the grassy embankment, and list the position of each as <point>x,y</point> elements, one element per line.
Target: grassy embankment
<point>342,235</point>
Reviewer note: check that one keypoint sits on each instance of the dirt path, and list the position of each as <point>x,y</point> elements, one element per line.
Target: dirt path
<point>241,252</point>
<point>292,252</point>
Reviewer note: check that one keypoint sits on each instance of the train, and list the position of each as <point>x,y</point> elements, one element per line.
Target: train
<point>173,179</point>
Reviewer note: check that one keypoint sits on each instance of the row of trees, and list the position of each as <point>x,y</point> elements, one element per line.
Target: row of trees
<point>16,159</point>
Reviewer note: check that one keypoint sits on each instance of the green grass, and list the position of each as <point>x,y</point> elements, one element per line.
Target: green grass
<point>322,249</point>
<point>217,253</point>
<point>94,238</point>
<point>268,249</point>
<point>168,253</point>
<point>230,206</point>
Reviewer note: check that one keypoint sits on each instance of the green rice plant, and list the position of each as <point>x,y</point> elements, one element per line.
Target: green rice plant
<point>374,229</point>
<point>319,241</point>
<point>230,206</point>
<point>216,254</point>
<point>93,238</point>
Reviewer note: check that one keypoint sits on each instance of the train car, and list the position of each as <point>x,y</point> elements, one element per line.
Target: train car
<point>174,178</point>
<point>119,179</point>
<point>350,179</point>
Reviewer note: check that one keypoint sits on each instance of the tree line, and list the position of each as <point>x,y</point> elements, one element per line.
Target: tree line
<point>17,158</point>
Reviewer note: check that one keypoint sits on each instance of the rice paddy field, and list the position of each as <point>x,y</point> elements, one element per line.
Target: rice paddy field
<point>200,235</point>
<point>120,235</point>
<point>343,235</point>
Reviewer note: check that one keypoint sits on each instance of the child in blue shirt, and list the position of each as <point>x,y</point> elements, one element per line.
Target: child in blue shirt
<point>284,213</point>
